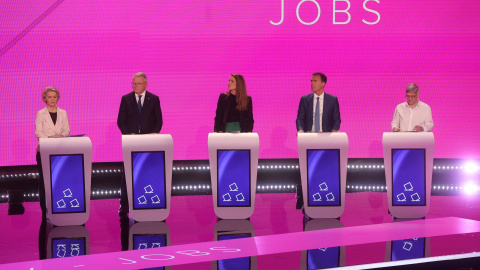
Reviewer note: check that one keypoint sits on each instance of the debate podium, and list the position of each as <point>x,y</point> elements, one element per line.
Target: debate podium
<point>233,169</point>
<point>323,161</point>
<point>148,161</point>
<point>67,174</point>
<point>408,161</point>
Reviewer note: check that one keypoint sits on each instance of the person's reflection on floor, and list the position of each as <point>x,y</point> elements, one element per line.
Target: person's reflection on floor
<point>124,231</point>
<point>42,240</point>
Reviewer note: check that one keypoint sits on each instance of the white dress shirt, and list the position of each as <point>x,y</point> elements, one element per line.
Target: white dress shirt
<point>321,110</point>
<point>143,97</point>
<point>406,118</point>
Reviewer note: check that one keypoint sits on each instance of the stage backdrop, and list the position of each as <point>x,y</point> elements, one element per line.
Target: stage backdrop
<point>369,49</point>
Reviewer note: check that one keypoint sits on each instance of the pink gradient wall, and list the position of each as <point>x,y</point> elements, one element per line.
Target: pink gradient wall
<point>89,50</point>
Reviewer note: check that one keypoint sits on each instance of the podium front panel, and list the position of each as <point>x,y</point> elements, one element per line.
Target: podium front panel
<point>408,175</point>
<point>149,184</point>
<point>323,173</point>
<point>322,159</point>
<point>67,174</point>
<point>233,159</point>
<point>148,163</point>
<point>67,184</point>
<point>408,160</point>
<point>234,182</point>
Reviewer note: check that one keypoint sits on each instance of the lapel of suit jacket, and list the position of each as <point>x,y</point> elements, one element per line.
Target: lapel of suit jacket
<point>310,106</point>
<point>146,101</point>
<point>133,101</point>
<point>326,108</point>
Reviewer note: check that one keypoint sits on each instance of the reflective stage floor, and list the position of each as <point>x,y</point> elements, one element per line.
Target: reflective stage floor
<point>364,232</point>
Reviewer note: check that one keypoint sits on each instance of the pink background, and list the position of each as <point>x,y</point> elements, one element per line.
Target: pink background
<point>89,50</point>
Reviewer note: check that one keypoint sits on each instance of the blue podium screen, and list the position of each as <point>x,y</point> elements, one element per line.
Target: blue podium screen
<point>67,183</point>
<point>242,263</point>
<point>408,177</point>
<point>408,249</point>
<point>233,178</point>
<point>68,247</point>
<point>323,174</point>
<point>144,241</point>
<point>322,258</point>
<point>148,174</point>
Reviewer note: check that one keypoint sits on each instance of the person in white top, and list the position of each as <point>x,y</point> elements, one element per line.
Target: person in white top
<point>412,115</point>
<point>51,121</point>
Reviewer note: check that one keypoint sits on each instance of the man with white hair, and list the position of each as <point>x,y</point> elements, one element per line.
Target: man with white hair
<point>412,115</point>
<point>139,113</point>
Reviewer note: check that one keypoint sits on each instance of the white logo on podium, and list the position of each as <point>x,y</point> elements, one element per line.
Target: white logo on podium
<point>233,187</point>
<point>240,197</point>
<point>401,197</point>
<point>330,197</point>
<point>415,197</point>
<point>61,204</point>
<point>74,203</point>
<point>142,200</point>
<point>67,193</point>
<point>408,186</point>
<point>323,186</point>
<point>155,199</point>
<point>317,197</point>
<point>148,189</point>
<point>407,246</point>
<point>226,197</point>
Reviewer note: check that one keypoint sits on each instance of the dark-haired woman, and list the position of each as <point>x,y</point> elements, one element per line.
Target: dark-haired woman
<point>234,108</point>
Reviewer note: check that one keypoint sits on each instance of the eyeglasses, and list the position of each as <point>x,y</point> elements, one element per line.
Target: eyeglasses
<point>137,83</point>
<point>411,96</point>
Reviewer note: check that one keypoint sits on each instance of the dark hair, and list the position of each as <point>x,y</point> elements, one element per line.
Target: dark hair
<point>322,76</point>
<point>241,92</point>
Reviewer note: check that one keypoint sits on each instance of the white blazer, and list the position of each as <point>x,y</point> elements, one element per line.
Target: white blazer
<point>44,126</point>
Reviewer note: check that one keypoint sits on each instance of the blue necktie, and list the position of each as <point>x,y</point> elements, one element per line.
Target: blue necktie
<point>139,110</point>
<point>317,115</point>
<point>139,104</point>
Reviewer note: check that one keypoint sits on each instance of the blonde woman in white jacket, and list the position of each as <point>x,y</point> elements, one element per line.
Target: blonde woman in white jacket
<point>50,122</point>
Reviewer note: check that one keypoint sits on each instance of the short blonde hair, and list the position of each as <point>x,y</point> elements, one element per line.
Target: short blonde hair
<point>50,89</point>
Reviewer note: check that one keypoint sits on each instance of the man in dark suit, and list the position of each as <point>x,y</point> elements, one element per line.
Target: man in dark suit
<point>318,111</point>
<point>139,113</point>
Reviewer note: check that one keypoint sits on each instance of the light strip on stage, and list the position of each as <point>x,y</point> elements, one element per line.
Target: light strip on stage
<point>260,245</point>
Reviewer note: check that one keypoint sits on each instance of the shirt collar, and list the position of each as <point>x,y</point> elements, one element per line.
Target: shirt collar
<point>419,104</point>
<point>321,96</point>
<point>143,94</point>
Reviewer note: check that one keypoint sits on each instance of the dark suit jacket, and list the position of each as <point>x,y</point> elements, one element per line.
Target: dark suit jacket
<point>246,117</point>
<point>331,113</point>
<point>150,119</point>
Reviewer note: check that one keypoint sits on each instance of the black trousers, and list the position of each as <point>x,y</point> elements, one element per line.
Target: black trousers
<point>41,184</point>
